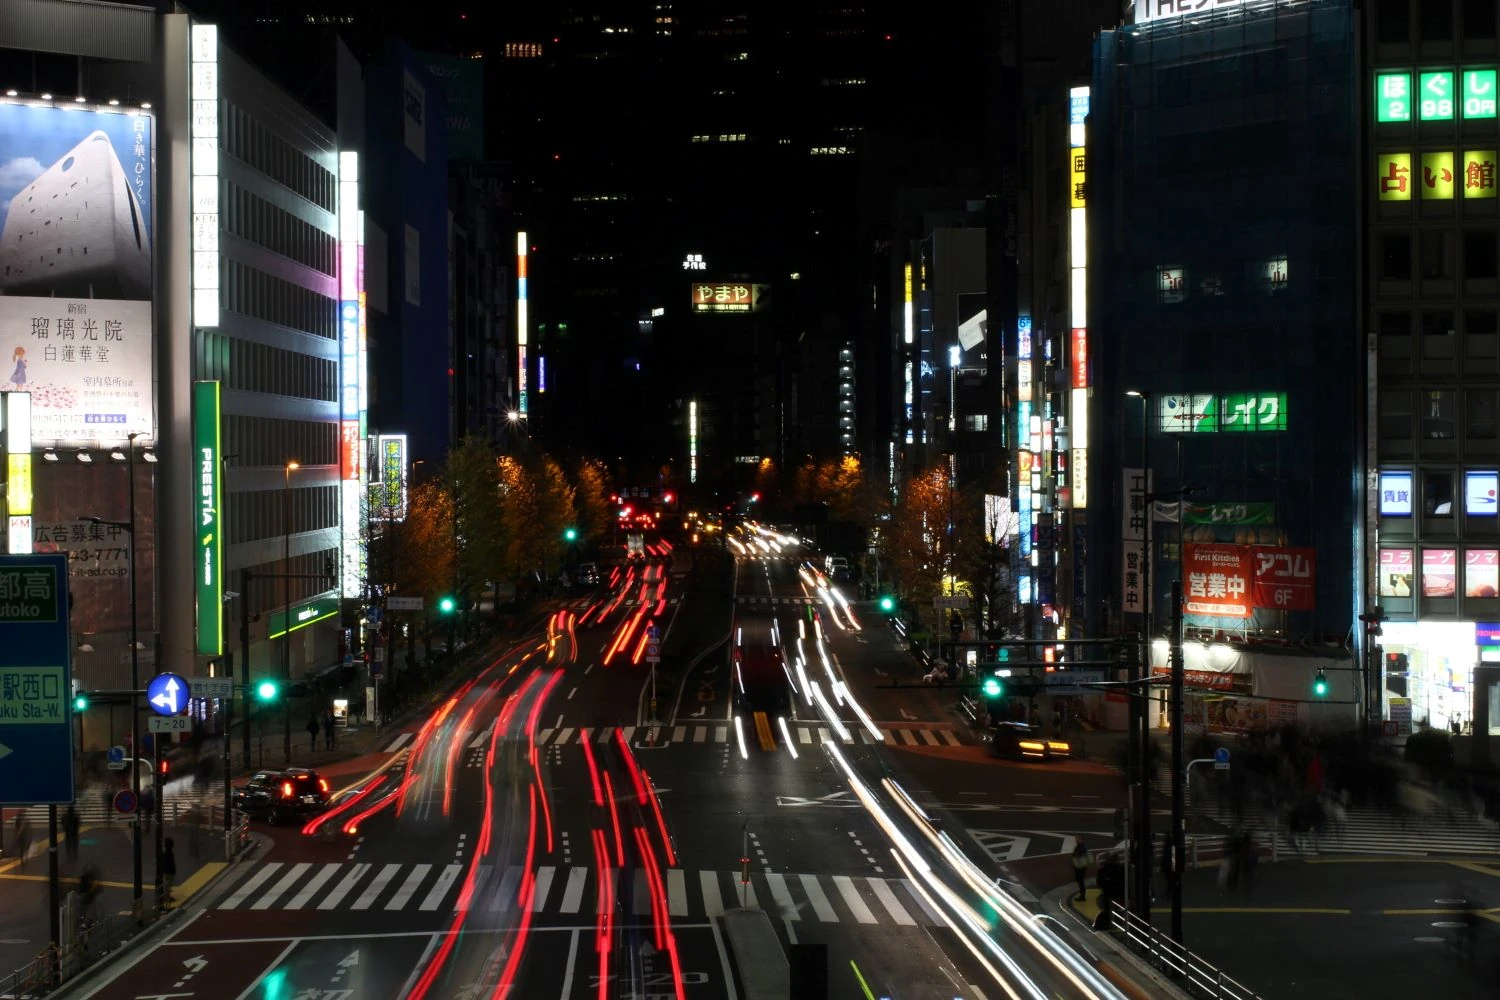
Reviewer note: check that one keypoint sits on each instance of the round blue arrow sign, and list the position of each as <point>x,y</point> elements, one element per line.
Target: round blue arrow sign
<point>167,694</point>
<point>1221,755</point>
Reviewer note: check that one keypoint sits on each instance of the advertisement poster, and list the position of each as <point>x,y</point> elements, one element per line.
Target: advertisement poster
<point>1439,573</point>
<point>75,271</point>
<point>1395,572</point>
<point>1285,579</point>
<point>1218,580</point>
<point>1482,573</point>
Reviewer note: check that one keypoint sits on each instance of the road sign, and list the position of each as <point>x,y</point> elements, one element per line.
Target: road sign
<point>211,687</point>
<point>115,755</point>
<point>125,801</point>
<point>372,615</point>
<point>956,602</point>
<point>1221,759</point>
<point>170,724</point>
<point>167,694</point>
<point>652,632</point>
<point>36,733</point>
<point>653,652</point>
<point>403,604</point>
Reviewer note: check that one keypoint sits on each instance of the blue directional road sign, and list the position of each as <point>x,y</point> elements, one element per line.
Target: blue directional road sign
<point>167,694</point>
<point>1221,759</point>
<point>115,755</point>
<point>36,713</point>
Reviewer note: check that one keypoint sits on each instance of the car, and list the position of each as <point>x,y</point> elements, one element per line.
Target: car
<point>280,796</point>
<point>588,573</point>
<point>1018,740</point>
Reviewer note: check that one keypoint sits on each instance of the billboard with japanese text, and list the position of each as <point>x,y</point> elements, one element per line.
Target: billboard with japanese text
<point>75,270</point>
<point>1284,579</point>
<point>1217,580</point>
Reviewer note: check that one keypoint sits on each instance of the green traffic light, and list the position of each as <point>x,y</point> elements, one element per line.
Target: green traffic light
<point>887,604</point>
<point>1320,685</point>
<point>266,691</point>
<point>571,535</point>
<point>992,687</point>
<point>446,605</point>
<point>80,703</point>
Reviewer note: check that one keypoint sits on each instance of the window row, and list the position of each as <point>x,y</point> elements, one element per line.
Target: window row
<point>252,292</point>
<point>262,514</point>
<point>1436,255</point>
<point>1433,414</point>
<point>253,367</point>
<point>1176,284</point>
<point>1398,499</point>
<point>1438,20</point>
<point>246,139</point>
<point>251,217</point>
<point>1481,578</point>
<point>267,442</point>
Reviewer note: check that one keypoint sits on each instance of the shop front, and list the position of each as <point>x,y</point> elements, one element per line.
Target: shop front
<point>1243,688</point>
<point>1428,673</point>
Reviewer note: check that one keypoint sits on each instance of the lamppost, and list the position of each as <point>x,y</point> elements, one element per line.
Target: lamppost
<point>128,526</point>
<point>286,601</point>
<point>1139,735</point>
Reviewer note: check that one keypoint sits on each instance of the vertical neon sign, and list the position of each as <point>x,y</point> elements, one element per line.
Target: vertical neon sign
<point>204,56</point>
<point>353,398</point>
<point>208,525</point>
<point>15,422</point>
<point>522,322</point>
<point>1078,401</point>
<point>692,441</point>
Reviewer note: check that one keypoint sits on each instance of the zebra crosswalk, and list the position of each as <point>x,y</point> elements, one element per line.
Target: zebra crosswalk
<point>565,891</point>
<point>751,599</point>
<point>92,807</point>
<point>806,735</point>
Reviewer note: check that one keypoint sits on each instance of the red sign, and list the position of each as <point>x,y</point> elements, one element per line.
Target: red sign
<point>1080,358</point>
<point>1208,679</point>
<point>1218,580</point>
<point>349,450</point>
<point>1284,579</point>
<point>1439,573</point>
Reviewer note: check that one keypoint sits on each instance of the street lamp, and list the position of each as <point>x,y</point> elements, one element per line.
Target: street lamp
<point>1139,736</point>
<point>128,526</point>
<point>286,601</point>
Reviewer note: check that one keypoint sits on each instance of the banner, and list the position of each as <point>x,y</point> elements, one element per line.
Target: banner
<point>1136,484</point>
<point>1284,579</point>
<point>208,524</point>
<point>75,271</point>
<point>1218,580</point>
<point>1216,513</point>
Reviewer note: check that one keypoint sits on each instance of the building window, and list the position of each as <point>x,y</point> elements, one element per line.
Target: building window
<point>1479,253</point>
<point>1437,494</point>
<point>1437,255</point>
<point>1393,20</point>
<point>1479,19</point>
<point>976,421</point>
<point>1395,416</point>
<point>1481,339</point>
<point>1479,413</point>
<point>1395,256</point>
<point>1438,414</point>
<point>1438,335</point>
<point>1437,20</point>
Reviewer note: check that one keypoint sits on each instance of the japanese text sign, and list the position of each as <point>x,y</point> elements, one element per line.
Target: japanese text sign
<point>1395,572</point>
<point>1439,572</point>
<point>1393,176</point>
<point>1393,97</point>
<point>1435,96</point>
<point>727,297</point>
<point>1479,173</point>
<point>1077,186</point>
<point>36,744</point>
<point>1264,411</point>
<point>1284,579</point>
<point>1479,93</point>
<point>1437,176</point>
<point>1217,580</point>
<point>1482,573</point>
<point>1395,494</point>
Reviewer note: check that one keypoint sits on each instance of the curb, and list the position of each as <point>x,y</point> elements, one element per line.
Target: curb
<point>1150,982</point>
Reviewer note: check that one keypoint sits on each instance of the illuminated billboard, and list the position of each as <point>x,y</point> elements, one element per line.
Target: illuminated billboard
<point>204,52</point>
<point>523,322</point>
<point>208,525</point>
<point>391,489</point>
<point>75,270</point>
<point>734,296</point>
<point>15,435</point>
<point>353,392</point>
<point>1078,295</point>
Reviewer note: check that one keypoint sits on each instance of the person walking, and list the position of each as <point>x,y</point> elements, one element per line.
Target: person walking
<point>312,733</point>
<point>328,729</point>
<point>1081,869</point>
<point>70,825</point>
<point>166,869</point>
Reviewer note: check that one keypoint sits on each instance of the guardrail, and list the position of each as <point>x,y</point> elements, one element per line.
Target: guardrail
<point>1186,969</point>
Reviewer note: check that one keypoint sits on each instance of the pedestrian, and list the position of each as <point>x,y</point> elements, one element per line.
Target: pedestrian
<point>1111,882</point>
<point>1166,864</point>
<point>1081,868</point>
<point>70,831</point>
<point>312,732</point>
<point>328,729</point>
<point>166,869</point>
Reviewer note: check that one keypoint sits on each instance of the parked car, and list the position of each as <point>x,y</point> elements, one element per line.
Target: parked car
<point>1018,740</point>
<point>281,796</point>
<point>588,573</point>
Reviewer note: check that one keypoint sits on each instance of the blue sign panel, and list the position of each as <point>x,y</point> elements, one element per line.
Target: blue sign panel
<point>167,694</point>
<point>36,731</point>
<point>1221,755</point>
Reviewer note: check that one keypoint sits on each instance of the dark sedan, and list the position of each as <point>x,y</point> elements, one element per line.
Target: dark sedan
<point>282,796</point>
<point>1017,739</point>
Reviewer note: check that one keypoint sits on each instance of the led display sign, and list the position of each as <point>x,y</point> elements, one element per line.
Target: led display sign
<point>1395,494</point>
<point>1479,493</point>
<point>1435,96</point>
<point>208,526</point>
<point>1441,95</point>
<point>1393,97</point>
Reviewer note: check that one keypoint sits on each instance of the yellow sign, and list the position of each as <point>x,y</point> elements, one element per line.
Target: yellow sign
<point>18,483</point>
<point>1393,176</point>
<point>1479,173</point>
<point>1437,176</point>
<point>1077,186</point>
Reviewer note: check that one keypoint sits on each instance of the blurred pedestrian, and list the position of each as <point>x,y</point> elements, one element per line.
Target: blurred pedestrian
<point>312,732</point>
<point>1166,864</point>
<point>328,729</point>
<point>1081,868</point>
<point>166,869</point>
<point>1111,882</point>
<point>70,825</point>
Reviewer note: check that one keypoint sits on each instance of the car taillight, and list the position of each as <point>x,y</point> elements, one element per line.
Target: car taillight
<point>286,789</point>
<point>323,784</point>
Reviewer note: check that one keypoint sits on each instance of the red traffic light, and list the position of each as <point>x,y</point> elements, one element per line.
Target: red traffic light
<point>165,767</point>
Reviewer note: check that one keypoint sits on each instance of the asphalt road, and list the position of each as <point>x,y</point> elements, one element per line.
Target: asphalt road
<point>534,831</point>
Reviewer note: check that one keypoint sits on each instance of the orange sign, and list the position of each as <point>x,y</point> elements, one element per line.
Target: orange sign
<point>349,449</point>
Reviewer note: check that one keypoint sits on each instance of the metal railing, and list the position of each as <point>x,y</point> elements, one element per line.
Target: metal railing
<point>1187,970</point>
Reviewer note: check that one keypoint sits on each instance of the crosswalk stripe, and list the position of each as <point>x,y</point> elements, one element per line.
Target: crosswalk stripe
<point>713,901</point>
<point>564,736</point>
<point>506,896</point>
<point>481,739</point>
<point>308,891</point>
<point>948,737</point>
<point>907,737</point>
<point>344,887</point>
<point>721,734</point>
<point>677,904</point>
<point>928,738</point>
<point>400,741</point>
<point>540,886</point>
<point>820,904</point>
<point>440,888</point>
<point>805,735</point>
<point>700,733</point>
<point>782,896</point>
<point>268,899</point>
<point>253,883</point>
<point>605,735</point>
<point>573,891</point>
<point>678,733</point>
<point>640,894</point>
<point>408,888</point>
<point>628,732</point>
<point>823,735</point>
<point>376,887</point>
<point>888,899</point>
<point>911,890</point>
<point>853,899</point>
<point>885,735</point>
<point>480,884</point>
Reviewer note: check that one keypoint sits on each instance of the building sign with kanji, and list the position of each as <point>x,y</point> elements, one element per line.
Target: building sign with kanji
<point>737,296</point>
<point>1479,173</point>
<point>1076,186</point>
<point>1216,580</point>
<point>1393,176</point>
<point>1435,96</point>
<point>1238,411</point>
<point>1437,176</point>
<point>1133,571</point>
<point>1393,97</point>
<point>28,594</point>
<point>1434,99</point>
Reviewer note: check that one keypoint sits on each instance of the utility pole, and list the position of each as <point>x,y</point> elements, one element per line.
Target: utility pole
<point>1179,758</point>
<point>245,577</point>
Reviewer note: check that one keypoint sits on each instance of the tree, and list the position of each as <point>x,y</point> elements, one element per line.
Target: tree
<point>480,532</point>
<point>591,500</point>
<point>918,537</point>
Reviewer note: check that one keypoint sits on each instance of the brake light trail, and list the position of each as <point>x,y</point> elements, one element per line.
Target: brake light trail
<point>528,896</point>
<point>588,753</point>
<point>664,936</point>
<point>455,743</point>
<point>614,816</point>
<point>536,766</point>
<point>661,823</point>
<point>604,922</point>
<point>630,764</point>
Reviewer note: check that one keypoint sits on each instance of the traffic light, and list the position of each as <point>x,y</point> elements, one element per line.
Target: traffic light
<point>570,535</point>
<point>267,690</point>
<point>446,605</point>
<point>164,768</point>
<point>887,604</point>
<point>1320,685</point>
<point>81,702</point>
<point>993,688</point>
<point>755,498</point>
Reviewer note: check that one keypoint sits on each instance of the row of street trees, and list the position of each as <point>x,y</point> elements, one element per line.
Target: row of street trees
<point>485,522</point>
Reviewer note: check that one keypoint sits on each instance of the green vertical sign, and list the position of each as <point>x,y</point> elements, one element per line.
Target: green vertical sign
<point>1479,93</point>
<point>208,521</point>
<point>1393,97</point>
<point>1435,93</point>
